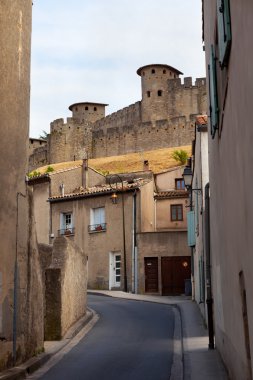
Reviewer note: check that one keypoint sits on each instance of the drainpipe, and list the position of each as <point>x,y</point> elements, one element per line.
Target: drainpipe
<point>135,245</point>
<point>209,297</point>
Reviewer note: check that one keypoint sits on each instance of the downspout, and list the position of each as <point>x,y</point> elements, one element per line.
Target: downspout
<point>209,297</point>
<point>135,247</point>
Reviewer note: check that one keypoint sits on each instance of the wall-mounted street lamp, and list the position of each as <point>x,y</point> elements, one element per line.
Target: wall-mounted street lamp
<point>114,198</point>
<point>187,176</point>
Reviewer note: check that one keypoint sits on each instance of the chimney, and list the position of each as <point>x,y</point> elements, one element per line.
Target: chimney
<point>145,165</point>
<point>85,173</point>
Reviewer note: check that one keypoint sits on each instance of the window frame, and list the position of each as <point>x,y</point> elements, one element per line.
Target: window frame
<point>176,207</point>
<point>181,181</point>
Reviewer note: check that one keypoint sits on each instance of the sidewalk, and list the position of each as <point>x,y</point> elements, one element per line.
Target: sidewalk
<point>192,358</point>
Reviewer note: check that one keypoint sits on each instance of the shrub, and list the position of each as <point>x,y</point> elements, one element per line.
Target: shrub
<point>180,155</point>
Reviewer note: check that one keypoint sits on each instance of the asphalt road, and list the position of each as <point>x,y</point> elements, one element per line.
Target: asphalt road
<point>132,340</point>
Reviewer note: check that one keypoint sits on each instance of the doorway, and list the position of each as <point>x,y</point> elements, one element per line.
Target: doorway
<point>151,274</point>
<point>175,270</point>
<point>115,270</point>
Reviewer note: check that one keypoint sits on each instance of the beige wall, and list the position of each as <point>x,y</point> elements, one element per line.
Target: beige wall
<point>230,190</point>
<point>159,244</point>
<point>98,245</point>
<point>166,181</point>
<point>163,214</point>
<point>72,179</point>
<point>42,211</point>
<point>147,208</point>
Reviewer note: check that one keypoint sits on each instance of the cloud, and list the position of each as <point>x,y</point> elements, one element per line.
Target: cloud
<point>89,50</point>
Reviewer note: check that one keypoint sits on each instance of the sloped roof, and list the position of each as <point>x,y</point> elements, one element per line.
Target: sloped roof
<point>172,194</point>
<point>100,190</point>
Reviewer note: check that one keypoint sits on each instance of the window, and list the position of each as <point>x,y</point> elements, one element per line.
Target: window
<point>224,31</point>
<point>95,108</point>
<point>153,71</point>
<point>159,92</point>
<point>179,184</point>
<point>176,212</point>
<point>213,96</point>
<point>86,108</point>
<point>148,94</point>
<point>66,224</point>
<point>164,71</point>
<point>97,220</point>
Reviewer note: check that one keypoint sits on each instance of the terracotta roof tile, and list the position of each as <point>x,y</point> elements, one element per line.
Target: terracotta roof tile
<point>103,189</point>
<point>201,119</point>
<point>172,194</point>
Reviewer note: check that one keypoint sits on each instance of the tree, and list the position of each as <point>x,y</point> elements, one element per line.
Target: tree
<point>180,155</point>
<point>44,135</point>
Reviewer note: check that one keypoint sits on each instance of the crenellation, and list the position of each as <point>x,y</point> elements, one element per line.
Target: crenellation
<point>163,118</point>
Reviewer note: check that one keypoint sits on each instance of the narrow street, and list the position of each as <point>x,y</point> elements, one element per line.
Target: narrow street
<point>131,340</point>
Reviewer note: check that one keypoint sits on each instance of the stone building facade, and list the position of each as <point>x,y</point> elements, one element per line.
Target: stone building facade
<point>164,117</point>
<point>21,299</point>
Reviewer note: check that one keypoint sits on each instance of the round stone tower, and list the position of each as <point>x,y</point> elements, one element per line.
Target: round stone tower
<point>87,111</point>
<point>154,105</point>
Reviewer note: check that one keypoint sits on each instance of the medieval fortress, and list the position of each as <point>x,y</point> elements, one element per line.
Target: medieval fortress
<point>165,117</point>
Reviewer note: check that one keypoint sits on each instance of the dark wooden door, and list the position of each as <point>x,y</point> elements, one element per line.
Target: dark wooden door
<point>175,270</point>
<point>151,274</point>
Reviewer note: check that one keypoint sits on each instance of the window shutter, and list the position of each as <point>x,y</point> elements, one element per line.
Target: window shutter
<point>224,30</point>
<point>213,97</point>
<point>191,229</point>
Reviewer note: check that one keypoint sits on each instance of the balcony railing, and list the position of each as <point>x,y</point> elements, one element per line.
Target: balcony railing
<point>97,227</point>
<point>66,231</point>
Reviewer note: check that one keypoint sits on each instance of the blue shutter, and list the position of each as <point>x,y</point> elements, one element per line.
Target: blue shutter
<point>213,96</point>
<point>224,30</point>
<point>191,229</point>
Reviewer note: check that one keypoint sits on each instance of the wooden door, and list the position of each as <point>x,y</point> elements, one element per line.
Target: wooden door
<point>175,270</point>
<point>151,274</point>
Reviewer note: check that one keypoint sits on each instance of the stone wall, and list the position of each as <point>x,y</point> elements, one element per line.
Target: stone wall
<point>65,288</point>
<point>164,121</point>
<point>69,141</point>
<point>21,311</point>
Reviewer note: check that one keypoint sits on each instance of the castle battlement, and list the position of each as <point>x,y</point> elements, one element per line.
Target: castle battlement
<point>125,116</point>
<point>177,83</point>
<point>163,118</point>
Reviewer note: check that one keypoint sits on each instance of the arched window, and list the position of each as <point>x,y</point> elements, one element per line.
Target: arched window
<point>95,108</point>
<point>86,108</point>
<point>153,71</point>
<point>164,71</point>
<point>159,92</point>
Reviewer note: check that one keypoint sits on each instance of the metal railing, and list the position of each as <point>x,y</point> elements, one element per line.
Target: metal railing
<point>66,231</point>
<point>97,227</point>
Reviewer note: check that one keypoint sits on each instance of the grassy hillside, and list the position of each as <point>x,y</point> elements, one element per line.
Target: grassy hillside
<point>159,160</point>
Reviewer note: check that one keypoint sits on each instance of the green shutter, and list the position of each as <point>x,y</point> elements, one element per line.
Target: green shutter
<point>213,96</point>
<point>224,30</point>
<point>191,229</point>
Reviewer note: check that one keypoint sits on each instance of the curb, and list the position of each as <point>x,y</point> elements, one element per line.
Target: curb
<point>27,368</point>
<point>177,368</point>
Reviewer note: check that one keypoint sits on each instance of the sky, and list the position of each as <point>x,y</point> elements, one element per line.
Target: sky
<point>89,50</point>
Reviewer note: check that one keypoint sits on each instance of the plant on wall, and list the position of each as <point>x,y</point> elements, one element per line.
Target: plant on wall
<point>180,156</point>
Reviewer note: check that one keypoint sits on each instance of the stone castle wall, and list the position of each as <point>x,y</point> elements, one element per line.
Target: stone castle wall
<point>69,141</point>
<point>128,129</point>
